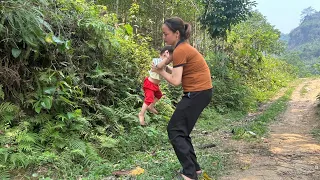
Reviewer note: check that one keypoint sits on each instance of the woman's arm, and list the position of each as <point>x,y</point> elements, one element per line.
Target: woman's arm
<point>169,69</point>
<point>174,78</point>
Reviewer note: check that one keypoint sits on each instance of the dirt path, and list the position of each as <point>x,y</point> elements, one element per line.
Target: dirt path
<point>290,151</point>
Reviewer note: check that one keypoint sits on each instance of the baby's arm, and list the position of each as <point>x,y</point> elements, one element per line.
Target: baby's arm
<point>161,64</point>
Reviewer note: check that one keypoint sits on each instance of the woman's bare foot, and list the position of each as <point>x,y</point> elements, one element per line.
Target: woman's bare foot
<point>141,119</point>
<point>152,109</point>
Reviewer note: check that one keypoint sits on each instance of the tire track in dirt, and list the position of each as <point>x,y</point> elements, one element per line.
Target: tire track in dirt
<point>290,151</point>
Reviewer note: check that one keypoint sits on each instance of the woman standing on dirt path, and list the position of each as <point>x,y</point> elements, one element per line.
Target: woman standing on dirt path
<point>190,69</point>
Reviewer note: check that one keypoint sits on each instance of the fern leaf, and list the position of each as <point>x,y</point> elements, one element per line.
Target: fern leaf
<point>4,154</point>
<point>77,144</point>
<point>92,156</point>
<point>108,142</point>
<point>25,147</point>
<point>8,111</point>
<point>27,137</point>
<point>4,175</point>
<point>7,107</point>
<point>19,160</point>
<point>40,119</point>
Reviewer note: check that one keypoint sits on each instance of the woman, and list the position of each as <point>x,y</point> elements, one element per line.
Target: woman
<point>191,70</point>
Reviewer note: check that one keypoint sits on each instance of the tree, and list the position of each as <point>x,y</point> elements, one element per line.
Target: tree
<point>306,13</point>
<point>148,16</point>
<point>250,41</point>
<point>220,15</point>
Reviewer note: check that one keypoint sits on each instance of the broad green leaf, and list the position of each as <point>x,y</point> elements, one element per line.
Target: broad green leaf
<point>47,102</point>
<point>15,52</point>
<point>38,109</point>
<point>70,115</point>
<point>128,29</point>
<point>50,90</point>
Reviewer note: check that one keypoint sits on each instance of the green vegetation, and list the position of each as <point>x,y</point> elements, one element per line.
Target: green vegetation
<point>316,133</point>
<point>259,125</point>
<point>70,78</point>
<point>304,90</point>
<point>316,130</point>
<point>220,16</point>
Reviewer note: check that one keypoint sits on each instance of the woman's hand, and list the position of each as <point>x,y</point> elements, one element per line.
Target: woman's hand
<point>159,67</point>
<point>156,69</point>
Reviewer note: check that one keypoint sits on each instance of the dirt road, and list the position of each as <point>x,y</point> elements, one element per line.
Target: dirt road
<point>290,151</point>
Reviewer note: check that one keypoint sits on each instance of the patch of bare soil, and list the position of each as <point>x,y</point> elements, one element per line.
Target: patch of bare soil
<point>290,151</point>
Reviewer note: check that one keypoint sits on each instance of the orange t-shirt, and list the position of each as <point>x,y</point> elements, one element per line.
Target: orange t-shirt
<point>196,74</point>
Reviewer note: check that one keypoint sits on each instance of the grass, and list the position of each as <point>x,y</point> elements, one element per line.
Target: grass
<point>160,162</point>
<point>259,126</point>
<point>304,90</point>
<point>316,131</point>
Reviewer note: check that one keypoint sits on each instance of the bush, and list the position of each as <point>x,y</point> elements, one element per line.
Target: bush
<point>72,72</point>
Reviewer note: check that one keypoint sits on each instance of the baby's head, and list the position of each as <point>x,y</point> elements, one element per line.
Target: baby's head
<point>166,52</point>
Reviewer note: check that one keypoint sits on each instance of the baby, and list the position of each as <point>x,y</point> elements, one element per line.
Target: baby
<point>151,89</point>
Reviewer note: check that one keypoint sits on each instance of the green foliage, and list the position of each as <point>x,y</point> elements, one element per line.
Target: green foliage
<point>146,18</point>
<point>211,120</point>
<point>4,175</point>
<point>316,133</point>
<point>76,83</point>
<point>249,70</point>
<point>273,75</point>
<point>259,126</point>
<point>294,59</point>
<point>251,41</point>
<point>229,91</point>
<point>220,16</point>
<point>173,93</point>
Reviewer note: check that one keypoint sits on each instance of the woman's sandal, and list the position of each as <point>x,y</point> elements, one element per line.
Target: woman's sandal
<point>180,173</point>
<point>198,172</point>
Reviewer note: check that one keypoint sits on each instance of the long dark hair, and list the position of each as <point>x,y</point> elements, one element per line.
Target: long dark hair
<point>177,24</point>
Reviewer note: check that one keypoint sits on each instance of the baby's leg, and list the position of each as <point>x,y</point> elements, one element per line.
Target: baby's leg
<point>151,106</point>
<point>148,99</point>
<point>141,114</point>
<point>158,95</point>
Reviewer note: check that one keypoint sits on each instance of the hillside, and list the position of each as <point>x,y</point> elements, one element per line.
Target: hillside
<point>306,37</point>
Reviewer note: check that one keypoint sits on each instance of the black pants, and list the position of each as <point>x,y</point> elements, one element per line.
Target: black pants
<point>180,126</point>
